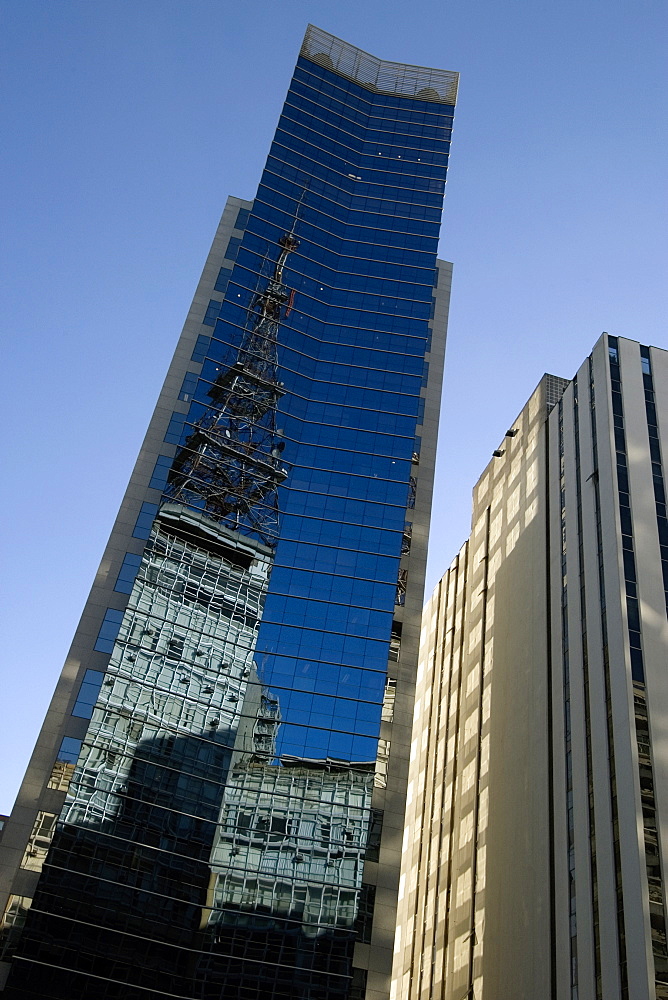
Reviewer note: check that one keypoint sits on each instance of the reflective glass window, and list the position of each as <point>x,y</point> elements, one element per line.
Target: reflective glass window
<point>222,280</point>
<point>242,218</point>
<point>211,315</point>
<point>233,247</point>
<point>38,845</point>
<point>108,631</point>
<point>70,749</point>
<point>144,522</point>
<point>188,387</point>
<point>63,767</point>
<point>127,573</point>
<point>88,692</point>
<point>175,428</point>
<point>158,480</point>
<point>201,348</point>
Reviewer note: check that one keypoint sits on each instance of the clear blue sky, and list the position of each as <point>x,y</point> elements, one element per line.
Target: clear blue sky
<point>126,123</point>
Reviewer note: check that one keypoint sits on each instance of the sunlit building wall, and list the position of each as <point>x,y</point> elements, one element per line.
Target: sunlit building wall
<point>215,804</point>
<point>535,850</point>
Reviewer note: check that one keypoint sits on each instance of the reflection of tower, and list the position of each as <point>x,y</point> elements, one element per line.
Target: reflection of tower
<point>231,463</point>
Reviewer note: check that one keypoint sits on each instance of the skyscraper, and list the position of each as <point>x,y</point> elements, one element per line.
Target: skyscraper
<point>535,849</point>
<point>215,803</point>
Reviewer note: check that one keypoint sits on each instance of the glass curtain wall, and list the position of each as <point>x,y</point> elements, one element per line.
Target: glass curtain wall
<point>214,834</point>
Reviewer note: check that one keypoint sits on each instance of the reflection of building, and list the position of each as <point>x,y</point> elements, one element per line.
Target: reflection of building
<point>183,658</point>
<point>269,552</point>
<point>287,872</point>
<point>536,848</point>
<point>300,827</point>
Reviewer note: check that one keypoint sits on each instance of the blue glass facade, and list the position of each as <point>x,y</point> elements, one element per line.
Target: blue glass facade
<point>213,839</point>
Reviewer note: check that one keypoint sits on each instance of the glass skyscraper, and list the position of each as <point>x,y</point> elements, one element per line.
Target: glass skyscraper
<point>215,804</point>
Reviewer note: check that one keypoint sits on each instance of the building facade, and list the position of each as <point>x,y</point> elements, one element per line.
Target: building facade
<point>535,850</point>
<point>215,803</point>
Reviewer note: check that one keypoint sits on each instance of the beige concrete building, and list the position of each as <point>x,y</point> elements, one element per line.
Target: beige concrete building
<point>534,853</point>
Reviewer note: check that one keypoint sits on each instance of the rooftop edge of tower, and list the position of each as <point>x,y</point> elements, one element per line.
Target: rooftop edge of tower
<point>381,77</point>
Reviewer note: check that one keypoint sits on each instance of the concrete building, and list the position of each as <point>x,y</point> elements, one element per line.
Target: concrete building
<point>252,633</point>
<point>535,850</point>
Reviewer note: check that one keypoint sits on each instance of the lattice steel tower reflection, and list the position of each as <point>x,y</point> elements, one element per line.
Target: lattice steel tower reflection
<point>232,460</point>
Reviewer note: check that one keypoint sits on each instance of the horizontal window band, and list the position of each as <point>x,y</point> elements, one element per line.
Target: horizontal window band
<point>302,170</point>
<point>185,699</point>
<point>376,506</point>
<point>261,201</point>
<point>426,268</point>
<point>353,203</point>
<point>438,174</point>
<point>398,484</point>
<point>428,283</point>
<point>334,447</point>
<point>293,96</point>
<point>286,536</point>
<point>344,240</point>
<point>241,930</point>
<point>304,84</point>
<point>317,519</point>
<point>299,308</point>
<point>358,810</point>
<point>326,323</point>
<point>404,194</point>
<point>347,407</point>
<point>303,110</point>
<point>362,97</point>
<point>167,530</point>
<point>162,944</point>
<point>349,207</point>
<point>104,743</point>
<point>332,343</point>
<point>249,281</point>
<point>413,320</point>
<point>360,139</point>
<point>346,236</point>
<point>282,367</point>
<point>320,163</point>
<point>288,567</point>
<point>139,615</point>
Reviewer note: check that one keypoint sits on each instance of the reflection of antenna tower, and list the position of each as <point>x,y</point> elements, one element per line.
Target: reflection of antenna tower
<point>231,463</point>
